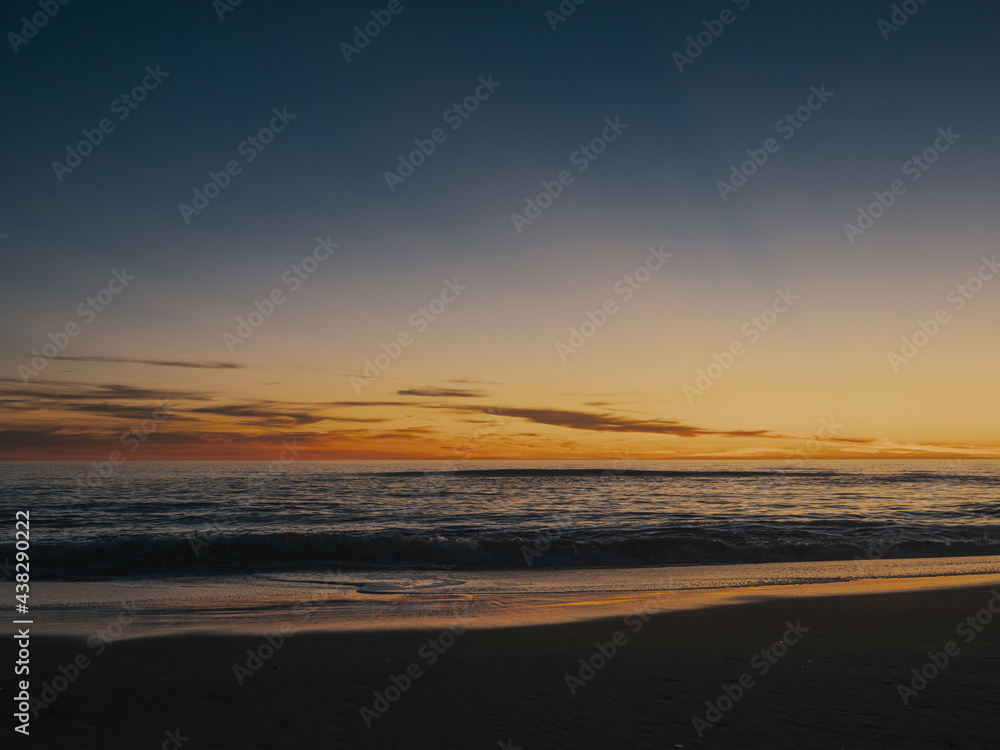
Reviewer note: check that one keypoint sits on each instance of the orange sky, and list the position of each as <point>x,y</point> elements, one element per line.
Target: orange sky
<point>703,359</point>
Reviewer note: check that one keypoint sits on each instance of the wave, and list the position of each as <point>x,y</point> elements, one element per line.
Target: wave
<point>597,472</point>
<point>243,552</point>
<point>610,473</point>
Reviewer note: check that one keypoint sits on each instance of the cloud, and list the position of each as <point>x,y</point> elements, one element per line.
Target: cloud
<point>103,400</point>
<point>578,420</point>
<point>116,411</point>
<point>403,432</point>
<point>434,392</point>
<point>369,403</point>
<point>206,365</point>
<point>62,391</point>
<point>275,414</point>
<point>124,402</point>
<point>612,406</point>
<point>46,437</point>
<point>261,412</point>
<point>603,422</point>
<point>60,443</point>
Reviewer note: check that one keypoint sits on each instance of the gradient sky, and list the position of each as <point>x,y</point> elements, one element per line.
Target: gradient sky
<point>485,378</point>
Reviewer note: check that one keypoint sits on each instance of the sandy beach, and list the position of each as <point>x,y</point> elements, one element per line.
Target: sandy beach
<point>817,672</point>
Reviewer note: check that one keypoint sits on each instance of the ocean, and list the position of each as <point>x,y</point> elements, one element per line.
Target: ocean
<point>224,518</point>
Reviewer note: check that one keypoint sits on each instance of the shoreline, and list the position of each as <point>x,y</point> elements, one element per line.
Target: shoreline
<point>835,683</point>
<point>408,599</point>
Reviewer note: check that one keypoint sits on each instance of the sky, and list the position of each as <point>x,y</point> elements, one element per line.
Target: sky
<point>438,230</point>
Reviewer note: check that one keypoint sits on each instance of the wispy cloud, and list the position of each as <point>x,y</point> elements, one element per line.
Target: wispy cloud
<point>65,391</point>
<point>368,403</point>
<point>276,414</point>
<point>200,364</point>
<point>435,392</point>
<point>579,420</point>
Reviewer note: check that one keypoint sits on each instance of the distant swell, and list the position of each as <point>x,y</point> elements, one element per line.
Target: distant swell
<point>595,472</point>
<point>836,476</point>
<point>261,552</point>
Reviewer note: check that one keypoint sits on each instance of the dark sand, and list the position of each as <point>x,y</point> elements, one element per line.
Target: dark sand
<point>836,688</point>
